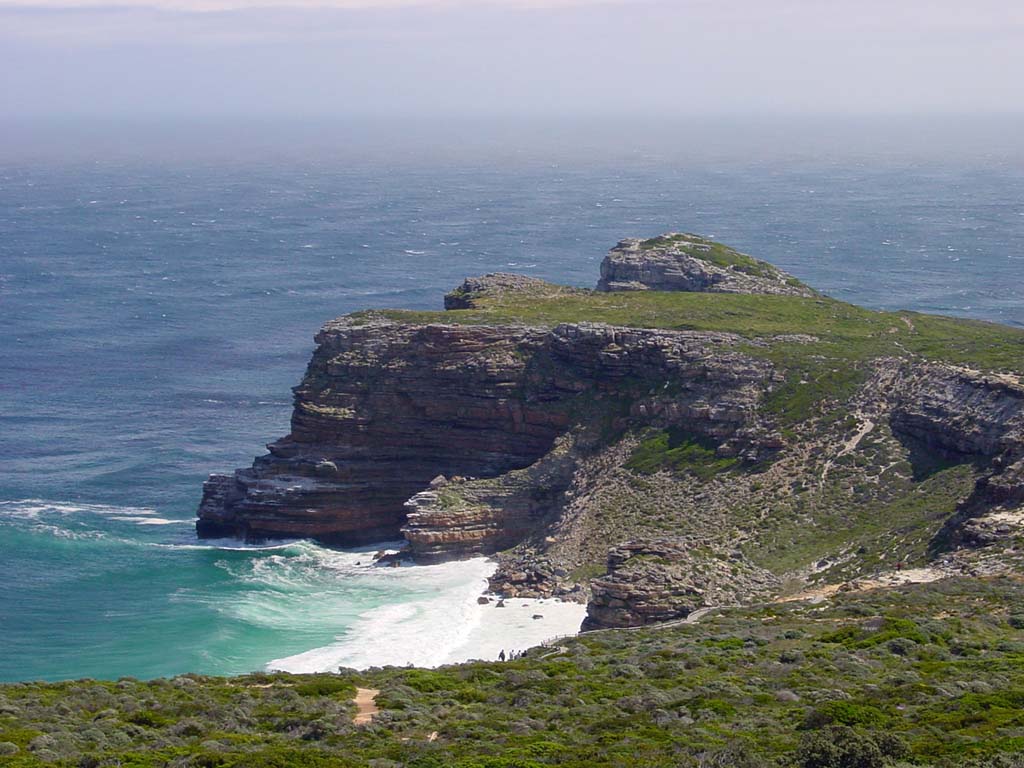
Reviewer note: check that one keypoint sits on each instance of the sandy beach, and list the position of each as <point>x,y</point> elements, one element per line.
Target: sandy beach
<point>449,626</point>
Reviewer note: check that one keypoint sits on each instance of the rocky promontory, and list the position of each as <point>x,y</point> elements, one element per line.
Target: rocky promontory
<point>702,429</point>
<point>684,262</point>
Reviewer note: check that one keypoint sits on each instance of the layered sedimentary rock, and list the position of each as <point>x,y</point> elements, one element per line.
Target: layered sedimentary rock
<point>967,413</point>
<point>386,407</point>
<point>958,409</point>
<point>684,262</point>
<point>461,517</point>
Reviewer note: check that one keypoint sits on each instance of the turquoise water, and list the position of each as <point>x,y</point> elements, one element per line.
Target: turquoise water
<point>156,316</point>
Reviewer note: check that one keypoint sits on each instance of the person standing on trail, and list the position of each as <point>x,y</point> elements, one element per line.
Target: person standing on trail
<point>501,656</point>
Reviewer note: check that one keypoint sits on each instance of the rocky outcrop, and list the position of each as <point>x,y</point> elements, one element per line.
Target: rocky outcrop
<point>498,284</point>
<point>386,407</point>
<point>655,581</point>
<point>968,415</point>
<point>460,517</point>
<point>684,262</point>
<point>959,410</point>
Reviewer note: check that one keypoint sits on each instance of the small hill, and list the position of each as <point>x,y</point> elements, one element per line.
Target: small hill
<point>685,262</point>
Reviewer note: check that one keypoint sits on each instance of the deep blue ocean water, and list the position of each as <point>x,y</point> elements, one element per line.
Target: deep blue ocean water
<point>155,316</point>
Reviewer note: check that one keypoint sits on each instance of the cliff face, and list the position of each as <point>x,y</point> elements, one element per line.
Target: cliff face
<point>386,407</point>
<point>701,455</point>
<point>383,409</point>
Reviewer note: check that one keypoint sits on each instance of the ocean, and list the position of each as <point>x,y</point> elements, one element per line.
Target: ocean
<point>156,312</point>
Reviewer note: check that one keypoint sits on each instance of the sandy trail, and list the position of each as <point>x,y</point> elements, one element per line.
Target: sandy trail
<point>881,581</point>
<point>850,445</point>
<point>366,705</point>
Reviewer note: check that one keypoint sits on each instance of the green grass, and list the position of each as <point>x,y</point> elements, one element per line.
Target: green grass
<point>843,331</point>
<point>679,451</point>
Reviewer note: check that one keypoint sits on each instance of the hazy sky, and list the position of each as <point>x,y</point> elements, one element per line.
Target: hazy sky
<point>644,59</point>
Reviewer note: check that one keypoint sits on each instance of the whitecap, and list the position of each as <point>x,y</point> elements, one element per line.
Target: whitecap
<point>33,508</point>
<point>227,545</point>
<point>150,520</point>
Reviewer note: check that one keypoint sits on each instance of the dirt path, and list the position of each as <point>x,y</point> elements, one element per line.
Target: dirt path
<point>881,581</point>
<point>697,615</point>
<point>850,445</point>
<point>366,705</point>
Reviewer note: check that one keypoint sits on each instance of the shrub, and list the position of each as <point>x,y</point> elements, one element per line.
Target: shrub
<point>844,713</point>
<point>901,646</point>
<point>732,756</point>
<point>839,747</point>
<point>148,718</point>
<point>326,685</point>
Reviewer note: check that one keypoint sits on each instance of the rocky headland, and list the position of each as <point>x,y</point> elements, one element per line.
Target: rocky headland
<point>703,429</point>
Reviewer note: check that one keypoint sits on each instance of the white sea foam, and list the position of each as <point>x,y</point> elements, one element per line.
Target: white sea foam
<point>149,520</point>
<point>33,508</point>
<point>227,545</point>
<point>442,623</point>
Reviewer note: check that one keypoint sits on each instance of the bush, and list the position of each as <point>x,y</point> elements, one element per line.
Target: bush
<point>839,747</point>
<point>901,646</point>
<point>845,713</point>
<point>732,756</point>
<point>327,685</point>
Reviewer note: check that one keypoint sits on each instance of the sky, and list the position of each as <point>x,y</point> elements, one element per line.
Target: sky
<point>631,60</point>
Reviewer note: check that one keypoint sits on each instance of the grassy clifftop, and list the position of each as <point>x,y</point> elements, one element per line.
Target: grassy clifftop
<point>823,344</point>
<point>853,331</point>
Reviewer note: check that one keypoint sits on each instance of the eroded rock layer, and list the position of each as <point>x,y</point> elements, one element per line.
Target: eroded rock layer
<point>656,581</point>
<point>386,407</point>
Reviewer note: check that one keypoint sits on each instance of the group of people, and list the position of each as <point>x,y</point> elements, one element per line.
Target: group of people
<point>512,655</point>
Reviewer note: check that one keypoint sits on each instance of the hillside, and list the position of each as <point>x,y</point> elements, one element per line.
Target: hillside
<point>928,675</point>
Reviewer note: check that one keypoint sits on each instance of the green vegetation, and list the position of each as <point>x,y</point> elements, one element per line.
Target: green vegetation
<point>679,451</point>
<point>875,523</point>
<point>928,675</point>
